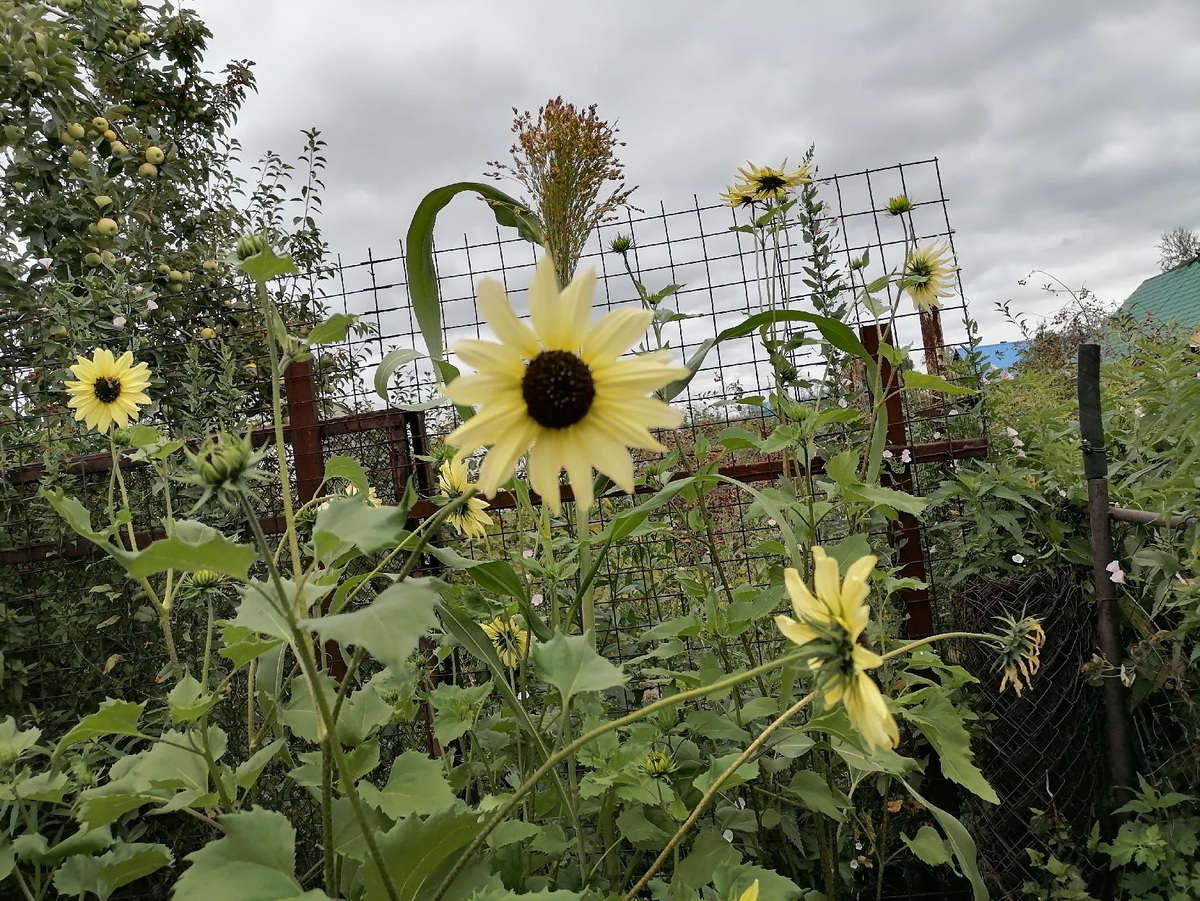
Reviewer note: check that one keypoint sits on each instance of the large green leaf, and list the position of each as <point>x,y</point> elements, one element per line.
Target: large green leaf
<point>965,851</point>
<point>192,546</point>
<point>259,611</point>
<point>418,246</point>
<point>352,525</point>
<point>927,382</point>
<point>414,786</point>
<point>103,875</point>
<point>113,718</point>
<point>571,664</point>
<point>254,860</point>
<point>418,853</point>
<point>333,329</point>
<point>816,794</point>
<point>390,626</point>
<point>928,846</point>
<point>75,515</point>
<point>188,701</point>
<point>942,723</point>
<point>392,361</point>
<point>347,469</point>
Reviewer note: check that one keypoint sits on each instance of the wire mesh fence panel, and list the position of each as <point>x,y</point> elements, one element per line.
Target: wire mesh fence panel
<point>75,632</point>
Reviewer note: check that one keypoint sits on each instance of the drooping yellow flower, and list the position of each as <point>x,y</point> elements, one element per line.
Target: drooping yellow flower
<point>469,520</point>
<point>1020,652</point>
<point>738,195</point>
<point>510,641</point>
<point>769,183</point>
<point>108,389</point>
<point>560,390</point>
<point>836,616</point>
<point>931,263</point>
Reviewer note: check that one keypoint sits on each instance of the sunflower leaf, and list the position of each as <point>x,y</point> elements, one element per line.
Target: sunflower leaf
<point>389,627</point>
<point>418,245</point>
<point>571,664</point>
<point>193,546</point>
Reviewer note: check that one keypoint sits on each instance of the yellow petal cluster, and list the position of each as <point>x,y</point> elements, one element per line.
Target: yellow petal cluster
<point>469,520</point>
<point>559,389</point>
<point>838,607</point>
<point>932,264</point>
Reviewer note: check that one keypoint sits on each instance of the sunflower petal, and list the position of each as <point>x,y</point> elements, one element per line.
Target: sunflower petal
<point>499,314</point>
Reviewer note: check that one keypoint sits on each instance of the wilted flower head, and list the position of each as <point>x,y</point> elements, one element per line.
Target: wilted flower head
<point>509,639</point>
<point>1019,646</point>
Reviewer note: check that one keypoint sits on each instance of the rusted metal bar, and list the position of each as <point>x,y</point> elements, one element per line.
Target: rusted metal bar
<point>1146,518</point>
<point>308,466</point>
<point>905,533</point>
<point>1095,470</point>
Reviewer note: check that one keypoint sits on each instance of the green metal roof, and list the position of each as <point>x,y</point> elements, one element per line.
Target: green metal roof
<point>1172,296</point>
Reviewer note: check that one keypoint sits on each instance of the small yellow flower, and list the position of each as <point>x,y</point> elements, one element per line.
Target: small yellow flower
<point>931,265</point>
<point>1020,649</point>
<point>109,389</point>
<point>836,616</point>
<point>750,894</point>
<point>559,390</point>
<point>470,520</point>
<point>769,183</point>
<point>510,641</point>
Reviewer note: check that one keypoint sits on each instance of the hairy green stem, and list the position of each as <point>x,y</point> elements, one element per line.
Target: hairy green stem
<point>707,797</point>
<point>557,757</point>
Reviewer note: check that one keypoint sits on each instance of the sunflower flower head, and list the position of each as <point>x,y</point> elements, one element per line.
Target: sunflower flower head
<point>509,639</point>
<point>1019,645</point>
<point>470,519</point>
<point>831,621</point>
<point>560,390</point>
<point>739,195</point>
<point>107,389</point>
<point>929,276</point>
<point>770,183</point>
<point>659,763</point>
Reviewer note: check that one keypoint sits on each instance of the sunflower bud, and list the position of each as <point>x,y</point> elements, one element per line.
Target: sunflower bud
<point>206,580</point>
<point>249,245</point>
<point>225,464</point>
<point>621,244</point>
<point>899,204</point>
<point>658,763</point>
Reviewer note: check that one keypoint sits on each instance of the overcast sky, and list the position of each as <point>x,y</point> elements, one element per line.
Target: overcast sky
<point>1067,131</point>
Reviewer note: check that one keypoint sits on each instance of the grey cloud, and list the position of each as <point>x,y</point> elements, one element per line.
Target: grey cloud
<point>1065,131</point>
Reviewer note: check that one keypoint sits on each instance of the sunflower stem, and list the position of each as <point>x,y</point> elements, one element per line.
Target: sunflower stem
<point>587,599</point>
<point>285,483</point>
<point>706,799</point>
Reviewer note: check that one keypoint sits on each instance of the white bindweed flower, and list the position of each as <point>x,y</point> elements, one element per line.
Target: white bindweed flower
<point>1017,442</point>
<point>1018,558</point>
<point>45,262</point>
<point>1116,574</point>
<point>151,306</point>
<point>906,456</point>
<point>887,455</point>
<point>536,600</point>
<point>1011,432</point>
<point>119,321</point>
<point>527,553</point>
<point>728,835</point>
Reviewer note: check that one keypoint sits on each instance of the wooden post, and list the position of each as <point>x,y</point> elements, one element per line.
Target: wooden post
<point>1095,470</point>
<point>308,461</point>
<point>905,532</point>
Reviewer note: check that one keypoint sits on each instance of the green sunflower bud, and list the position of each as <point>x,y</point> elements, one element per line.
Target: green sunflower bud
<point>226,465</point>
<point>206,579</point>
<point>621,244</point>
<point>898,205</point>
<point>249,245</point>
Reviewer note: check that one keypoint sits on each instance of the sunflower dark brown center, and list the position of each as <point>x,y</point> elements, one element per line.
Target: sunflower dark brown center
<point>770,182</point>
<point>107,389</point>
<point>558,389</point>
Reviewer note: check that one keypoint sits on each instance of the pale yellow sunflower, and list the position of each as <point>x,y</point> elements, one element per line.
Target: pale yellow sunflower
<point>836,616</point>
<point>560,390</point>
<point>109,389</point>
<point>769,183</point>
<point>351,491</point>
<point>469,520</point>
<point>739,195</point>
<point>509,639</point>
<point>931,263</point>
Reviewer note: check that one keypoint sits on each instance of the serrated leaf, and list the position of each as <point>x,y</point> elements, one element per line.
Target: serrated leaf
<point>350,524</point>
<point>193,546</point>
<point>187,701</point>
<point>103,875</point>
<point>418,852</point>
<point>811,789</point>
<point>928,846</point>
<point>941,723</point>
<point>961,843</point>
<point>265,265</point>
<point>255,859</point>
<point>242,644</point>
<point>113,718</point>
<point>415,786</point>
<point>571,664</point>
<point>390,626</point>
<point>250,769</point>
